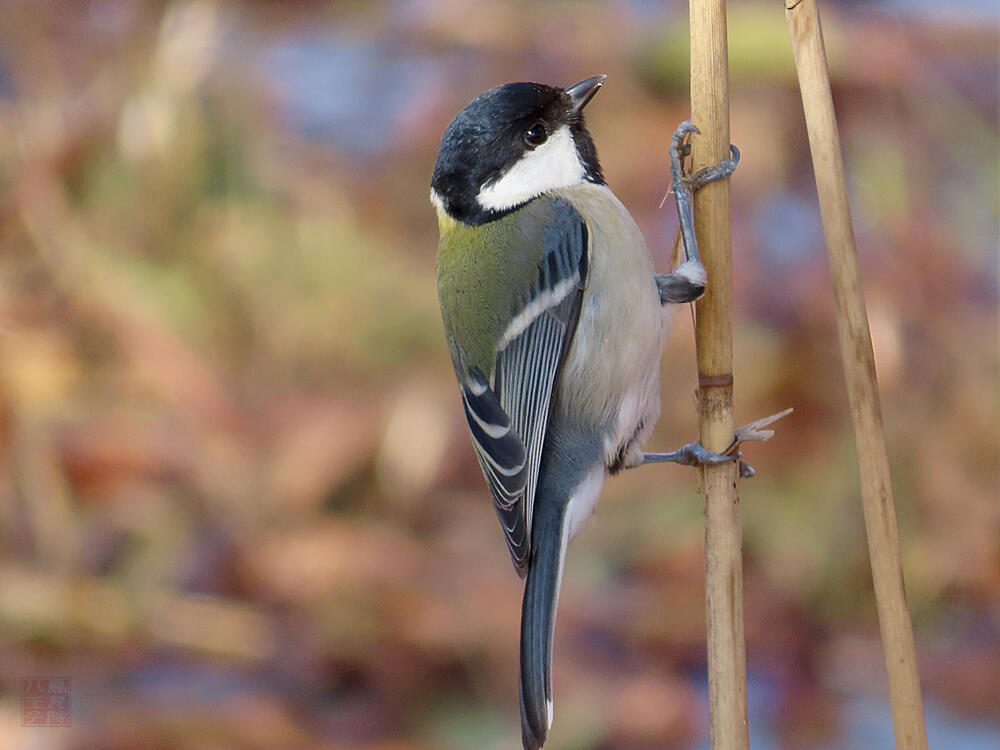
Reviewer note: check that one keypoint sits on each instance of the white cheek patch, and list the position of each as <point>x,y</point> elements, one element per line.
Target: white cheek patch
<point>436,200</point>
<point>554,164</point>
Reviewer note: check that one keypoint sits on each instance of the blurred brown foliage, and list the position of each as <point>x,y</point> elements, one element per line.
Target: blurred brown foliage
<point>237,503</point>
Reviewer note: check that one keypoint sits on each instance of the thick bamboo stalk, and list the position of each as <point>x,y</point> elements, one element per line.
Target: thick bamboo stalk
<point>859,372</point>
<point>714,335</point>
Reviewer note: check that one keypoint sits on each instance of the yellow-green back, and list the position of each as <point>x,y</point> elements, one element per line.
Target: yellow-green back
<point>485,275</point>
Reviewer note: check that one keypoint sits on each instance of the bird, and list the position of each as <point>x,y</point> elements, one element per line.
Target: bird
<point>555,322</point>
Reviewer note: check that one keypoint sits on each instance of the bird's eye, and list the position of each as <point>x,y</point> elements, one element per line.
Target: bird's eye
<point>536,135</point>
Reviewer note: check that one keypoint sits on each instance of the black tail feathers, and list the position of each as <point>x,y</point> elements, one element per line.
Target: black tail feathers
<point>538,614</point>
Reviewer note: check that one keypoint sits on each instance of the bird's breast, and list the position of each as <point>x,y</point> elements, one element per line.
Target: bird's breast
<point>612,368</point>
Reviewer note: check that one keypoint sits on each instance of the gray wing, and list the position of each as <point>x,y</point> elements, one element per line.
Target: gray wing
<point>508,414</point>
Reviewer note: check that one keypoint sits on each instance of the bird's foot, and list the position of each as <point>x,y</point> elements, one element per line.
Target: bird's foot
<point>692,454</point>
<point>680,148</point>
<point>687,282</point>
<point>684,184</point>
<point>720,171</point>
<point>695,454</point>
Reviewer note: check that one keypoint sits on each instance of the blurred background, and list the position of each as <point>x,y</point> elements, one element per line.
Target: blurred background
<point>238,507</point>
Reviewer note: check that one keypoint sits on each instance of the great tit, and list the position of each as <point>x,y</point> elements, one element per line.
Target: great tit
<point>555,323</point>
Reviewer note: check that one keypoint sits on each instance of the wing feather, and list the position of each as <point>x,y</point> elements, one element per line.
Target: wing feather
<point>508,415</point>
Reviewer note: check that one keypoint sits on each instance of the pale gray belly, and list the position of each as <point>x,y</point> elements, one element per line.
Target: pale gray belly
<point>612,370</point>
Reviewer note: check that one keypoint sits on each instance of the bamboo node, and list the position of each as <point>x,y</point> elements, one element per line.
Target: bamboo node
<point>715,381</point>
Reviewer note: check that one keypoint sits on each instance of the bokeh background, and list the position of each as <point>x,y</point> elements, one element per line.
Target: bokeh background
<point>238,507</point>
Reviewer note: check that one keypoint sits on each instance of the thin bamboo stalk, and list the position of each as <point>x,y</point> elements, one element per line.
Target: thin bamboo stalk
<point>859,372</point>
<point>714,336</point>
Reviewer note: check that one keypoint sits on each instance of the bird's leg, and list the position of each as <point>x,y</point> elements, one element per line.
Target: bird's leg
<point>687,282</point>
<point>695,454</point>
<point>692,454</point>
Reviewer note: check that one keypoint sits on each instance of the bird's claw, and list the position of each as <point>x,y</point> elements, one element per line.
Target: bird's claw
<point>679,149</point>
<point>720,171</point>
<point>681,133</point>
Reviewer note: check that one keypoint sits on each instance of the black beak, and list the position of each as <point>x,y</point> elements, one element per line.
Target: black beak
<point>582,92</point>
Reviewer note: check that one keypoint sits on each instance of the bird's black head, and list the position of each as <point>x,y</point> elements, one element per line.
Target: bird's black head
<point>512,144</point>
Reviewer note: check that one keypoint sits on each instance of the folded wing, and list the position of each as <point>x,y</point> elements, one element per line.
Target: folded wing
<point>508,413</point>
